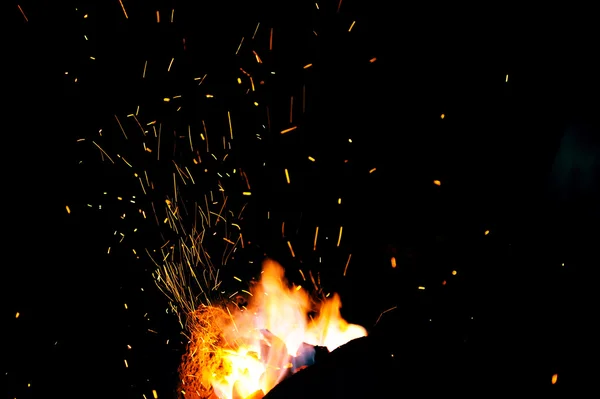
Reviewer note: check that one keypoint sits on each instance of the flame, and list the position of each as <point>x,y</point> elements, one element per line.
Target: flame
<point>243,353</point>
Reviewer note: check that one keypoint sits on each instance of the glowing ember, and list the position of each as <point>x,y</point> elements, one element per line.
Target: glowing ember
<point>244,352</point>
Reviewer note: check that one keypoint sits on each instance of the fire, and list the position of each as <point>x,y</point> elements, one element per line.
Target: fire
<point>244,352</point>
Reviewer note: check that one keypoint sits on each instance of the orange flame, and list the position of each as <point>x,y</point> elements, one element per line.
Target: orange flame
<point>243,353</point>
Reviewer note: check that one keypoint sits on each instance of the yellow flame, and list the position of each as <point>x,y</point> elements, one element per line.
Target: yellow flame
<point>249,349</point>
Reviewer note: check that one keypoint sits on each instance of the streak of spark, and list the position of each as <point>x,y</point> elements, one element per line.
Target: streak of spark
<point>347,264</point>
<point>255,30</point>
<point>121,126</point>
<point>23,12</point>
<point>291,249</point>
<point>104,152</point>
<point>289,129</point>
<point>384,312</point>
<point>230,127</point>
<point>123,7</point>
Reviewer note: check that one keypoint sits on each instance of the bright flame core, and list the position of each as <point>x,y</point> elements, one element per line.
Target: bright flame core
<point>241,352</point>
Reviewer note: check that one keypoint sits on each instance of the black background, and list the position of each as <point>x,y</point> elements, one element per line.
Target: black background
<point>512,302</point>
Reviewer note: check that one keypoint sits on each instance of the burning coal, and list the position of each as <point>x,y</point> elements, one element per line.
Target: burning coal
<point>243,352</point>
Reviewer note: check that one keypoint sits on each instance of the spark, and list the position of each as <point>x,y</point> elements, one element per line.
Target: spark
<point>255,30</point>
<point>121,126</point>
<point>340,236</point>
<point>287,176</point>
<point>271,40</point>
<point>104,152</point>
<point>486,233</point>
<point>17,315</point>
<point>128,164</point>
<point>393,260</point>
<point>23,12</point>
<point>372,170</point>
<point>554,379</point>
<point>291,249</point>
<point>347,263</point>
<point>351,26</point>
<point>68,209</point>
<point>123,7</point>
<point>384,312</point>
<point>454,272</point>
<point>311,159</point>
<point>372,60</point>
<point>289,129</point>
<point>506,78</point>
<point>316,236</point>
<point>157,16</point>
<point>239,46</point>
<point>230,127</point>
<point>437,182</point>
<point>442,116</point>
<point>201,79</point>
<point>170,64</point>
<point>307,66</point>
<point>154,394</point>
<point>302,274</point>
